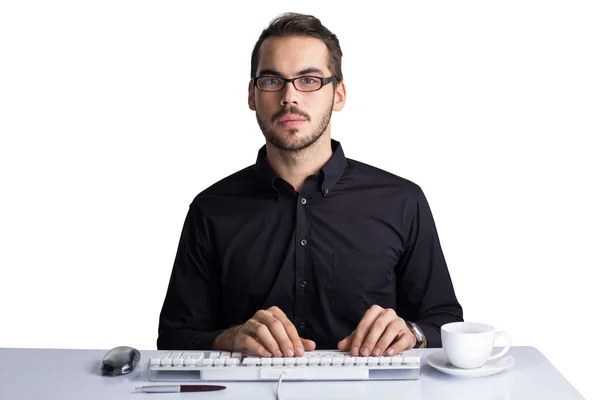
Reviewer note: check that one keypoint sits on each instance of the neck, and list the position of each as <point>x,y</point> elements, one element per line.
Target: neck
<point>295,166</point>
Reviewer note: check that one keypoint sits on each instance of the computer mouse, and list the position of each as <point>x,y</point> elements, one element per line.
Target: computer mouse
<point>120,361</point>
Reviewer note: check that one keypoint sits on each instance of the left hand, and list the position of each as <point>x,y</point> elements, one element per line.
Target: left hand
<point>380,330</point>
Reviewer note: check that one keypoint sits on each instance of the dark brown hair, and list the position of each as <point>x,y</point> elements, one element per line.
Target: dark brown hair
<point>294,24</point>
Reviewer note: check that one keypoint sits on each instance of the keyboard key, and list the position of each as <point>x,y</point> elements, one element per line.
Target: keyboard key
<point>289,361</point>
<point>237,355</point>
<point>251,361</point>
<point>214,354</point>
<point>373,361</point>
<point>313,361</point>
<point>178,362</point>
<point>277,361</point>
<point>397,360</point>
<point>266,361</point>
<point>166,362</point>
<point>349,360</point>
<point>385,361</point>
<point>361,360</point>
<point>189,362</point>
<point>154,361</point>
<point>232,361</point>
<point>326,360</point>
<point>207,362</point>
<point>301,361</point>
<point>217,362</point>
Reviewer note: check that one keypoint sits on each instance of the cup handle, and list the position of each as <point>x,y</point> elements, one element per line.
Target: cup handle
<point>506,347</point>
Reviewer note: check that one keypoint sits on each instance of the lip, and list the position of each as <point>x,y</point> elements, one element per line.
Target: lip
<point>291,119</point>
<point>292,123</point>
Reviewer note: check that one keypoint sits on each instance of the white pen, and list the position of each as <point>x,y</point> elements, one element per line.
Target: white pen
<point>178,388</point>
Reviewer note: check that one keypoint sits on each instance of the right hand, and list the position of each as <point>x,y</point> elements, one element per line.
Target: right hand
<point>268,333</point>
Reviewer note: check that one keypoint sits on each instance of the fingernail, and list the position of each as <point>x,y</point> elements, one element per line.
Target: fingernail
<point>279,353</point>
<point>299,350</point>
<point>391,352</point>
<point>267,354</point>
<point>365,351</point>
<point>377,351</point>
<point>289,352</point>
<point>355,351</point>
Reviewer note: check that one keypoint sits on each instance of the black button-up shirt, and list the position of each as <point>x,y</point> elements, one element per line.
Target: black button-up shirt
<point>353,237</point>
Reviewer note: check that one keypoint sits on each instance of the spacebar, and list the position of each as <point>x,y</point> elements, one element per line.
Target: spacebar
<point>316,373</point>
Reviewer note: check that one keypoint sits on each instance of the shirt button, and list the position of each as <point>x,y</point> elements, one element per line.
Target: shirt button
<point>302,325</point>
<point>303,200</point>
<point>303,284</point>
<point>303,242</point>
<point>325,191</point>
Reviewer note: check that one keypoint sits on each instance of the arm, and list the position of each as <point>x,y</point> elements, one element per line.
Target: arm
<point>425,291</point>
<point>191,316</point>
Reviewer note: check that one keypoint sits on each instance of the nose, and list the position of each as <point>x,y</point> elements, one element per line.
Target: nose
<point>289,95</point>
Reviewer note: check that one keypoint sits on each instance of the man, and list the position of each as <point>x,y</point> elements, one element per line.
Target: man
<point>306,248</point>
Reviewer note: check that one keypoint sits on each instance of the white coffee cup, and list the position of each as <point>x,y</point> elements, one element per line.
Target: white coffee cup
<point>470,344</point>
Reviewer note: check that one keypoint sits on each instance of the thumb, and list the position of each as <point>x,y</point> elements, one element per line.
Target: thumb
<point>308,344</point>
<point>344,344</point>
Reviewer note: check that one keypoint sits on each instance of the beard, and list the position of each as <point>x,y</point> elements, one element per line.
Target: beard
<point>280,142</point>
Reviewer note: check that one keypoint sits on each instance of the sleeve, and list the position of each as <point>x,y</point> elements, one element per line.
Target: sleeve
<point>191,316</point>
<point>425,292</point>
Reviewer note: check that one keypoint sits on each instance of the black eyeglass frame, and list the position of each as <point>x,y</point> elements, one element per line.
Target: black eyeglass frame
<point>324,81</point>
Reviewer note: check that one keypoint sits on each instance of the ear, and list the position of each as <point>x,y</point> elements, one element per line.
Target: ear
<point>251,102</point>
<point>339,96</point>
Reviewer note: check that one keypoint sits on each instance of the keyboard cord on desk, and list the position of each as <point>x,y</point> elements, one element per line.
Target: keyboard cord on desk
<point>279,384</point>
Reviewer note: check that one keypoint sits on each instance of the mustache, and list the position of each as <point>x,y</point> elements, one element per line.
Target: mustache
<point>290,111</point>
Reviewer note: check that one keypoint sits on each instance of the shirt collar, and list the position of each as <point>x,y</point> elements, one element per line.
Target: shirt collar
<point>331,172</point>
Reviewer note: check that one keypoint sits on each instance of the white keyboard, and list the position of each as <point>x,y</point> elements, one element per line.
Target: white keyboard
<point>318,365</point>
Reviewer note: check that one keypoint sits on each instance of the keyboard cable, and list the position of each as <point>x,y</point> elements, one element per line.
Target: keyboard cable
<point>279,384</point>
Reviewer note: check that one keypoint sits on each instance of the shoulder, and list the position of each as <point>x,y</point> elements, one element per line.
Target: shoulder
<point>361,173</point>
<point>234,186</point>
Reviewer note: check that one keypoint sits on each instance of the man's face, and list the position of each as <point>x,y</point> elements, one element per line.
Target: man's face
<point>290,119</point>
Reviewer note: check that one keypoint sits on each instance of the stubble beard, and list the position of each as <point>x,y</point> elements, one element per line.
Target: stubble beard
<point>280,142</point>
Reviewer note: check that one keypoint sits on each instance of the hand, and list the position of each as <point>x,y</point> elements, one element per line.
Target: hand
<point>379,331</point>
<point>267,333</point>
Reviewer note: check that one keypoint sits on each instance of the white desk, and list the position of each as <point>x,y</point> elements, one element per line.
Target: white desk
<point>75,374</point>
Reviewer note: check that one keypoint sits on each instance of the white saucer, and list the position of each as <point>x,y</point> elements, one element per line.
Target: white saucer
<point>439,361</point>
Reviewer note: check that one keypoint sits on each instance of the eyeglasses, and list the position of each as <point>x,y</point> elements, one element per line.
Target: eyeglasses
<point>301,83</point>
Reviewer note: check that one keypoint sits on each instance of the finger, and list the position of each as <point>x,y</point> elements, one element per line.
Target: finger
<point>263,335</point>
<point>404,342</point>
<point>381,324</point>
<point>308,344</point>
<point>291,335</point>
<point>245,343</point>
<point>362,330</point>
<point>278,331</point>
<point>344,344</point>
<point>388,337</point>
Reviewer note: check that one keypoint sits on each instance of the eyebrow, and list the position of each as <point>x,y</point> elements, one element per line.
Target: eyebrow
<point>310,70</point>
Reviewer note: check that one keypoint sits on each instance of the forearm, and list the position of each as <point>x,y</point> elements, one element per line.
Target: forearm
<point>225,339</point>
<point>431,329</point>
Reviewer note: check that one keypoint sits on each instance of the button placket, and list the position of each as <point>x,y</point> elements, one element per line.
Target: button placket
<point>303,259</point>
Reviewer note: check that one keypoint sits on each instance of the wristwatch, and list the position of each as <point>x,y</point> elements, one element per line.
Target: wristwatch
<point>414,328</point>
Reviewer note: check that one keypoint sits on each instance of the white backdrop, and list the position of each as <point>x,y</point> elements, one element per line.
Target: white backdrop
<point>115,114</point>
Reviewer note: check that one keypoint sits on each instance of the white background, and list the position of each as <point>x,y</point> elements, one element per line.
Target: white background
<point>115,114</point>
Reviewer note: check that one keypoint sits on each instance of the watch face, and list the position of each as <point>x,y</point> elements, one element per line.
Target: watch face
<point>417,332</point>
